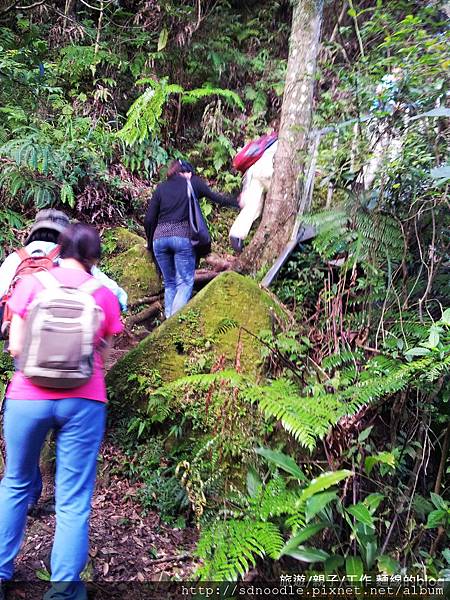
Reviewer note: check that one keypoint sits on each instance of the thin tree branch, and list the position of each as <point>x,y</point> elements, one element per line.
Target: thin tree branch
<point>358,33</point>
<point>99,8</point>
<point>14,6</point>
<point>338,23</point>
<point>31,5</point>
<point>99,27</point>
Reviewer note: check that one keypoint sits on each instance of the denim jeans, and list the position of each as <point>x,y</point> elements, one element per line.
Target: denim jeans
<point>79,425</point>
<point>176,259</point>
<point>36,485</point>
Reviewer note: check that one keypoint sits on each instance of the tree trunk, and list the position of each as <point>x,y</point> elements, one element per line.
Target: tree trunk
<point>282,202</point>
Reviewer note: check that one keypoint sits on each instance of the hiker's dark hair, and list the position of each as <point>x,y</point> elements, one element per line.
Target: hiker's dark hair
<point>81,242</point>
<point>186,167</point>
<point>174,168</point>
<point>44,235</point>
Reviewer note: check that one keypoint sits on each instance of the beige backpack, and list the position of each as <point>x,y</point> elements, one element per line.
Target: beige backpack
<point>60,327</point>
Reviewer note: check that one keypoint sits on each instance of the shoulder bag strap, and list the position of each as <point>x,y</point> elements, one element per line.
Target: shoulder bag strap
<point>191,191</point>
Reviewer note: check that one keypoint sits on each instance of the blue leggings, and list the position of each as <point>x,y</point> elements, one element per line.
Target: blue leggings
<point>79,425</point>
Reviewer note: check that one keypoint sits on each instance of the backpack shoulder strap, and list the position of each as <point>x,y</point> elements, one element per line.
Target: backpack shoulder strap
<point>54,253</point>
<point>47,279</point>
<point>22,254</point>
<point>90,286</point>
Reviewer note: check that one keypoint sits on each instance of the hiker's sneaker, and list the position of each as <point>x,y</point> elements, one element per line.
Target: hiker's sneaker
<point>48,508</point>
<point>237,244</point>
<point>32,511</point>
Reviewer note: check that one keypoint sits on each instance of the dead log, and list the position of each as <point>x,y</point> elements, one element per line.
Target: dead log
<point>145,300</point>
<point>221,262</point>
<point>143,315</point>
<point>204,276</point>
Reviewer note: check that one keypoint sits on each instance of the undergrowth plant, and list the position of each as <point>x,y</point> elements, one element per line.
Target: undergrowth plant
<point>253,525</point>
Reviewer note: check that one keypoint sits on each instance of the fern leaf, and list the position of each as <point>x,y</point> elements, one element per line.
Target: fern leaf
<point>231,547</point>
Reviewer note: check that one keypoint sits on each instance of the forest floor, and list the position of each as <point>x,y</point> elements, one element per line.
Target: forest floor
<point>126,544</point>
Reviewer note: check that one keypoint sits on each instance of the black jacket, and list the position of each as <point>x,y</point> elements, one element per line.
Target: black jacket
<point>170,202</point>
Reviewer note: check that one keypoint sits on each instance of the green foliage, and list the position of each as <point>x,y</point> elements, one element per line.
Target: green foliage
<point>144,115</point>
<point>360,234</point>
<point>6,370</point>
<point>301,279</point>
<point>162,492</point>
<point>230,548</point>
<point>9,222</point>
<point>307,510</point>
<point>440,517</point>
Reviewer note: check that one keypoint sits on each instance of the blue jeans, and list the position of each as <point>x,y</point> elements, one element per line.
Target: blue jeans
<point>36,487</point>
<point>79,425</point>
<point>176,259</point>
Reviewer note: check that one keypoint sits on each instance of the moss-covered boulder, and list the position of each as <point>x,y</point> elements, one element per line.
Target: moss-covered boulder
<point>123,239</point>
<point>208,424</point>
<point>208,330</point>
<point>134,270</point>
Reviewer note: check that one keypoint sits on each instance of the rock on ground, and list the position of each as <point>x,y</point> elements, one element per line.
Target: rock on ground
<point>132,267</point>
<point>216,325</point>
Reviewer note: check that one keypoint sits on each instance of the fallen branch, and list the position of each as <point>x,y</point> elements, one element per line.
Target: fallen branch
<point>184,556</point>
<point>145,300</point>
<point>203,276</point>
<point>144,315</point>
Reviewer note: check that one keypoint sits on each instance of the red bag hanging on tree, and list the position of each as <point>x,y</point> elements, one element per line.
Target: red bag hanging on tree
<point>253,151</point>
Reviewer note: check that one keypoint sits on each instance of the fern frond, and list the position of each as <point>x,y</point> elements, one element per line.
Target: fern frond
<point>144,115</point>
<point>343,358</point>
<point>230,548</point>
<point>350,228</point>
<point>196,94</point>
<point>225,325</point>
<point>204,381</point>
<point>273,500</point>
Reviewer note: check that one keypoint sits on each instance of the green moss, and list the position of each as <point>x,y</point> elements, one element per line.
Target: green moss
<point>214,431</point>
<point>125,239</point>
<point>196,332</point>
<point>135,272</point>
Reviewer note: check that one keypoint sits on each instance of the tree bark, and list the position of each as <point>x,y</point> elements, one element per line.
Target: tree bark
<point>282,202</point>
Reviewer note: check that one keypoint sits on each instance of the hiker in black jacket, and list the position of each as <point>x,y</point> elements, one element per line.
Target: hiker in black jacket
<point>168,231</point>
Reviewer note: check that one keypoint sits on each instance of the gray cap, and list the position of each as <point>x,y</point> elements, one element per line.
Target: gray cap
<point>49,218</point>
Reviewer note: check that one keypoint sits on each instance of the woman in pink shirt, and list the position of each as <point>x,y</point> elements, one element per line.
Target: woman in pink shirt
<point>77,416</point>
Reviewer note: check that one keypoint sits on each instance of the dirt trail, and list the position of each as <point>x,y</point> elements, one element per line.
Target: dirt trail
<point>125,545</point>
